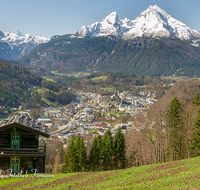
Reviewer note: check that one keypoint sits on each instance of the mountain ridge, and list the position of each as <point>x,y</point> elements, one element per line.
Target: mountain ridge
<point>14,44</point>
<point>152,22</point>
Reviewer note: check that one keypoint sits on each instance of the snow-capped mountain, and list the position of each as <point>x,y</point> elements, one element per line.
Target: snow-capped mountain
<point>15,44</point>
<point>153,22</point>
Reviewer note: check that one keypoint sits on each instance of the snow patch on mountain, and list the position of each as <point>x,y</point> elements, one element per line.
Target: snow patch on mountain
<point>153,22</point>
<point>17,37</point>
<point>196,43</point>
<point>19,44</point>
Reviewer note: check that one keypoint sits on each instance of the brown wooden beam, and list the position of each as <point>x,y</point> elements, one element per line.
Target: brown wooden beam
<point>23,155</point>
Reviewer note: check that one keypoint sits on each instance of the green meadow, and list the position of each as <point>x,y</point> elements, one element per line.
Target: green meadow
<point>184,174</point>
<point>106,88</point>
<point>46,101</point>
<point>98,78</point>
<point>51,80</point>
<point>93,130</point>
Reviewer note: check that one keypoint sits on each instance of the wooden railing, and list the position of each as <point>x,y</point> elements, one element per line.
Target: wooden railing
<point>22,150</point>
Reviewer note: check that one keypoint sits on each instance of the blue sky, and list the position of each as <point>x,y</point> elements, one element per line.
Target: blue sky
<point>58,17</point>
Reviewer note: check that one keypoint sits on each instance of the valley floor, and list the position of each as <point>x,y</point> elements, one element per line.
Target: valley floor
<point>184,174</point>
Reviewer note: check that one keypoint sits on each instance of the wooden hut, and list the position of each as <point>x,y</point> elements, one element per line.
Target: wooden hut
<point>19,144</point>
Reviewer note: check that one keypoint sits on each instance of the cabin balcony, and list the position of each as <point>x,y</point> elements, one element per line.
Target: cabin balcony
<point>22,150</point>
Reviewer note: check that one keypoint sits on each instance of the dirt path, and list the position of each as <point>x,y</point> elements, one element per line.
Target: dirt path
<point>78,179</point>
<point>19,184</point>
<point>61,181</point>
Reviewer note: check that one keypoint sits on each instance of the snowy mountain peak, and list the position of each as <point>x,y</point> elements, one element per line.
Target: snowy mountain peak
<point>108,26</point>
<point>16,37</point>
<point>19,44</point>
<point>1,34</point>
<point>17,33</point>
<point>156,8</point>
<point>154,11</point>
<point>111,18</point>
<point>153,22</point>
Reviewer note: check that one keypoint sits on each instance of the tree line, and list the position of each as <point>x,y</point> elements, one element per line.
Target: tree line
<point>168,134</point>
<point>105,154</point>
<point>178,147</point>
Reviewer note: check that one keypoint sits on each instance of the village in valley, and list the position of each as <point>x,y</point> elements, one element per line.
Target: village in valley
<point>92,114</point>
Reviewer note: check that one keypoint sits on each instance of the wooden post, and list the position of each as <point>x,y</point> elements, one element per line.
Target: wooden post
<point>33,163</point>
<point>43,163</point>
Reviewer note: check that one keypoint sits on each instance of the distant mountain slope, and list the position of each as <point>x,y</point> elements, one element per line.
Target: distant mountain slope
<point>141,56</point>
<point>66,53</point>
<point>18,87</point>
<point>147,56</point>
<point>15,44</point>
<point>34,69</point>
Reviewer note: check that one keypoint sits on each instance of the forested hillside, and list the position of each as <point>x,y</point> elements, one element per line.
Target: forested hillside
<point>21,87</point>
<point>142,56</point>
<point>147,57</point>
<point>64,53</point>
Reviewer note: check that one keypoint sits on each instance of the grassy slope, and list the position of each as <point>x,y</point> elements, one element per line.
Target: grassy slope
<point>173,175</point>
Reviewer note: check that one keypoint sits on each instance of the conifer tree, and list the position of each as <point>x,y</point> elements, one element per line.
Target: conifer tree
<point>77,154</point>
<point>94,157</point>
<point>70,158</point>
<point>107,151</point>
<point>195,141</point>
<point>174,129</point>
<point>119,150</point>
<point>196,99</point>
<point>99,147</point>
<point>80,154</point>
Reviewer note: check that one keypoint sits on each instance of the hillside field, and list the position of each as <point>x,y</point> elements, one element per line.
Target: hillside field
<point>184,174</point>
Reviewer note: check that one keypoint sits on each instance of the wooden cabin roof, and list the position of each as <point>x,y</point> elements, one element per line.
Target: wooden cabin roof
<point>25,123</point>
